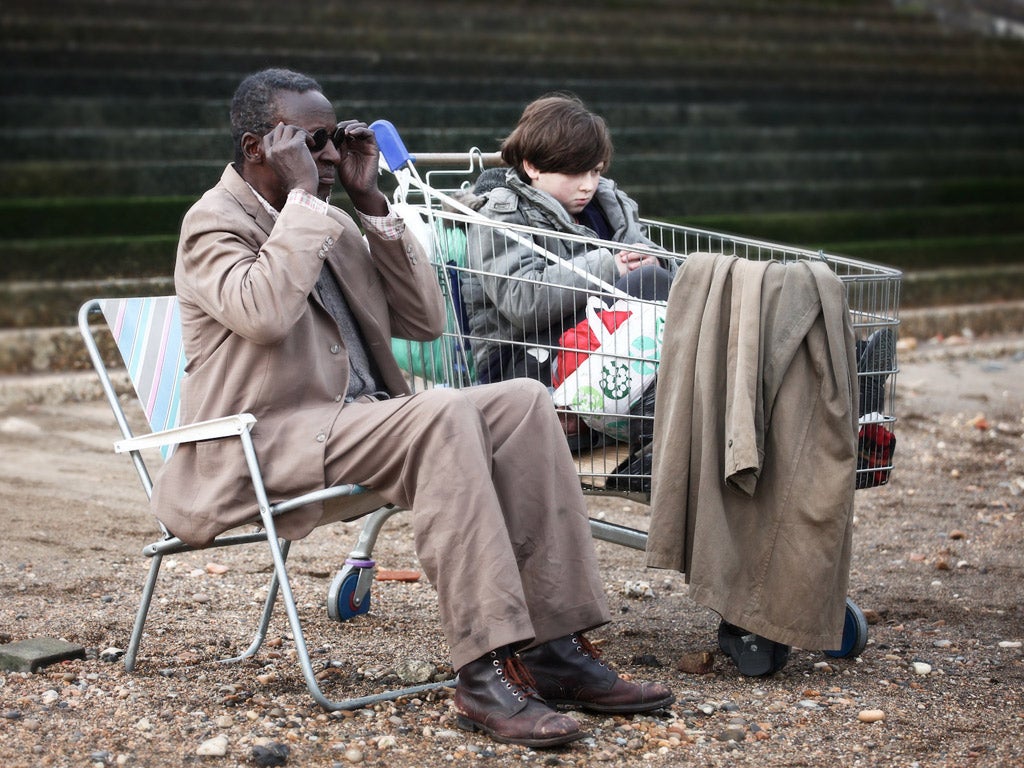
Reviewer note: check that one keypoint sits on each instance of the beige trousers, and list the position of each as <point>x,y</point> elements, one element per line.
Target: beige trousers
<point>500,522</point>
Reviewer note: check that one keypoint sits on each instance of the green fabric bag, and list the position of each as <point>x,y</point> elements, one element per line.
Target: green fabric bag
<point>443,360</point>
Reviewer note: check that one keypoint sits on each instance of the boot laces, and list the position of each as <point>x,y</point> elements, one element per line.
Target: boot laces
<point>588,649</point>
<point>516,676</point>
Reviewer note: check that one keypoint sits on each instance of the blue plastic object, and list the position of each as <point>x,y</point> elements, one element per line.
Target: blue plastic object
<point>349,594</point>
<point>349,604</point>
<point>855,633</point>
<point>391,145</point>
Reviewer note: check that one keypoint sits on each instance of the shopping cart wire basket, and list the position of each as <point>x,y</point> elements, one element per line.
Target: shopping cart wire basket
<point>439,206</point>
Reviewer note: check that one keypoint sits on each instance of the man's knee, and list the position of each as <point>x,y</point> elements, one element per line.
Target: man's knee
<point>445,403</point>
<point>528,390</point>
<point>520,398</point>
<point>531,402</point>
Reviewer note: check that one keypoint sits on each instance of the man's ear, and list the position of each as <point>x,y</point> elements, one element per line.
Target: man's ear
<point>531,170</point>
<point>252,148</point>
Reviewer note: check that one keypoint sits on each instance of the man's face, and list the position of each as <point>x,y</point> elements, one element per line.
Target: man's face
<point>310,111</point>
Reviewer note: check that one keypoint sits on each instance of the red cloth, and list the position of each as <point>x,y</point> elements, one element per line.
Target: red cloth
<point>875,447</point>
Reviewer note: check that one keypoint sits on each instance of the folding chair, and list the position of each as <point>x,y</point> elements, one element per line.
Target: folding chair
<point>147,332</point>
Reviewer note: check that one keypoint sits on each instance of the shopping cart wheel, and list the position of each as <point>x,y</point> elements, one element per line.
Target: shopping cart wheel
<point>855,633</point>
<point>349,594</point>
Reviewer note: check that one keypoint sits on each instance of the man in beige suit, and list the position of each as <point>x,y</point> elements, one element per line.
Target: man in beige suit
<point>287,314</point>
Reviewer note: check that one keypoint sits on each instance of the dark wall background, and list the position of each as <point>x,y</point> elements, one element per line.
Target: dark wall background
<point>887,131</point>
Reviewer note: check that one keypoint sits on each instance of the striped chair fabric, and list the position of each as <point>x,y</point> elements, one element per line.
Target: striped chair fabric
<point>148,334</point>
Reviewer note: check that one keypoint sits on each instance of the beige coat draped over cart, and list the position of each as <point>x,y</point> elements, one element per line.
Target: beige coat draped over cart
<point>755,441</point>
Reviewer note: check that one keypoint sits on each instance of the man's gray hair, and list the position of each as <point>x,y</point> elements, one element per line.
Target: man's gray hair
<point>254,105</point>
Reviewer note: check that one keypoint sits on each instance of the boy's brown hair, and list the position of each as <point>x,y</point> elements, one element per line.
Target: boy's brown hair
<point>558,134</point>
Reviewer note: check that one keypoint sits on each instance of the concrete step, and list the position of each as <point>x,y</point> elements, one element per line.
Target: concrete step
<point>783,167</point>
<point>674,194</point>
<point>666,109</point>
<point>963,286</point>
<point>995,319</point>
<point>795,21</point>
<point>842,229</point>
<point>40,304</point>
<point>634,83</point>
<point>792,49</point>
<point>62,219</point>
<point>975,247</point>
<point>69,260</point>
<point>232,24</point>
<point>143,178</point>
<point>702,131</point>
<point>41,353</point>
<point>633,161</point>
<point>30,310</point>
<point>96,238</point>
<point>133,160</point>
<point>718,16</point>
<point>793,32</point>
<point>96,258</point>
<point>682,200</point>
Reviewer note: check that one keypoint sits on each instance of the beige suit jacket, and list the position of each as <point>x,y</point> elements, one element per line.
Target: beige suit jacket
<point>755,438</point>
<point>257,340</point>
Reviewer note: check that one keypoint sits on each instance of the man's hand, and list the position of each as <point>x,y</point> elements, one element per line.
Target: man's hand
<point>357,166</point>
<point>285,151</point>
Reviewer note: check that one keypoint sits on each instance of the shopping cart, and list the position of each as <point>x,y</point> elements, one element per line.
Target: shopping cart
<point>613,454</point>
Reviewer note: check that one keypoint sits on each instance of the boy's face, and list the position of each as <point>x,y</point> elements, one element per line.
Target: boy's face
<point>573,191</point>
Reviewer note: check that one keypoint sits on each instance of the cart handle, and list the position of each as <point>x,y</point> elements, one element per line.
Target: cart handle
<point>397,158</point>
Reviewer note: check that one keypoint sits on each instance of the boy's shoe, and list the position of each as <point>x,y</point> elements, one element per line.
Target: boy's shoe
<point>876,359</point>
<point>633,474</point>
<point>586,440</point>
<point>753,655</point>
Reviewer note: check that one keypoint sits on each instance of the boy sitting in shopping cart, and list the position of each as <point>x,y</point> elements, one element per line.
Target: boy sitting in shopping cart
<point>520,297</point>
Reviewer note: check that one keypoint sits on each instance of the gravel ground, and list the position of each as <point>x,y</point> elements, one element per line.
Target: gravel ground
<point>937,568</point>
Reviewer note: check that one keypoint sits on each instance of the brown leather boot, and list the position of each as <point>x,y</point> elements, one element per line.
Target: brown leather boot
<point>567,672</point>
<point>495,695</point>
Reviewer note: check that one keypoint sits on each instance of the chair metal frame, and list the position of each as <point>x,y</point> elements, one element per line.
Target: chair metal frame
<point>147,332</point>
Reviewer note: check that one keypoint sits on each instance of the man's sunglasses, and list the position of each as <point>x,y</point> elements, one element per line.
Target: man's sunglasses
<point>321,136</point>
